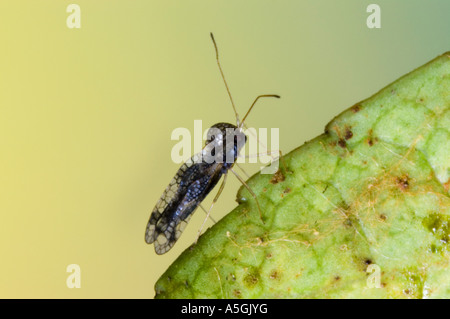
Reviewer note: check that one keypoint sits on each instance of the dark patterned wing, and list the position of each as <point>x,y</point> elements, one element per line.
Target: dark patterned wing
<point>191,184</point>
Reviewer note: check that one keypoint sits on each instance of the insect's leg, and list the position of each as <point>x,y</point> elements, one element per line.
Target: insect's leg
<point>258,154</point>
<point>256,136</point>
<point>251,192</point>
<point>262,145</point>
<point>283,164</point>
<point>280,157</point>
<point>206,212</point>
<point>212,204</point>
<point>243,171</point>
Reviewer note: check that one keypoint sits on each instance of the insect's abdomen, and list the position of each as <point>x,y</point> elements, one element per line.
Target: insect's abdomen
<point>192,183</point>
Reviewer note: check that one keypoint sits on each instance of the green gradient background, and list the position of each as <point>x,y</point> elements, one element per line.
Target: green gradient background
<point>86,115</point>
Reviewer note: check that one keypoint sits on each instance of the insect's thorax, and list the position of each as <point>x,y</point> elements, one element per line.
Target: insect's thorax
<point>224,141</point>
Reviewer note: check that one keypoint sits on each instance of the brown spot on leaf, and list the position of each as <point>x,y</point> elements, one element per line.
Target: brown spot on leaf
<point>274,274</point>
<point>287,190</point>
<point>251,279</point>
<point>447,185</point>
<point>368,261</point>
<point>342,143</point>
<point>277,177</point>
<point>403,182</point>
<point>348,133</point>
<point>237,293</point>
<point>356,108</point>
<point>371,140</point>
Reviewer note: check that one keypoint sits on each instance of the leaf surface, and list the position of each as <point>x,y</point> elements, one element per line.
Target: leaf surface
<point>361,211</point>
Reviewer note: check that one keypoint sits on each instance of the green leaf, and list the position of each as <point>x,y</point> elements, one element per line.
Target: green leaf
<point>366,201</point>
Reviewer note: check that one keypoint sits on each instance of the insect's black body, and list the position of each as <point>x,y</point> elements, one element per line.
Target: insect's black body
<point>193,182</point>
<point>196,178</point>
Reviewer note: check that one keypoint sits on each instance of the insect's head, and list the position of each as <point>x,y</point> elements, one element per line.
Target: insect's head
<point>224,142</point>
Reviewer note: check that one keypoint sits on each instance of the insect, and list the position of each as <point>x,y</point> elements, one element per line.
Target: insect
<point>197,177</point>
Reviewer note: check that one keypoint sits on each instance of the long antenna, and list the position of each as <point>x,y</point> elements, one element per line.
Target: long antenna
<point>223,77</point>
<point>263,95</point>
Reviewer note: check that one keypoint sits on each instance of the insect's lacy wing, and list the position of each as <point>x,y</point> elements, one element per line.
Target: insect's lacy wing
<point>161,214</point>
<point>167,238</point>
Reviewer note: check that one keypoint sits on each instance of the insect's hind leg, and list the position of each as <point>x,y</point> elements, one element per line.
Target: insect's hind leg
<point>206,212</point>
<point>273,154</point>
<point>258,154</point>
<point>243,171</point>
<point>251,193</point>
<point>212,204</point>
